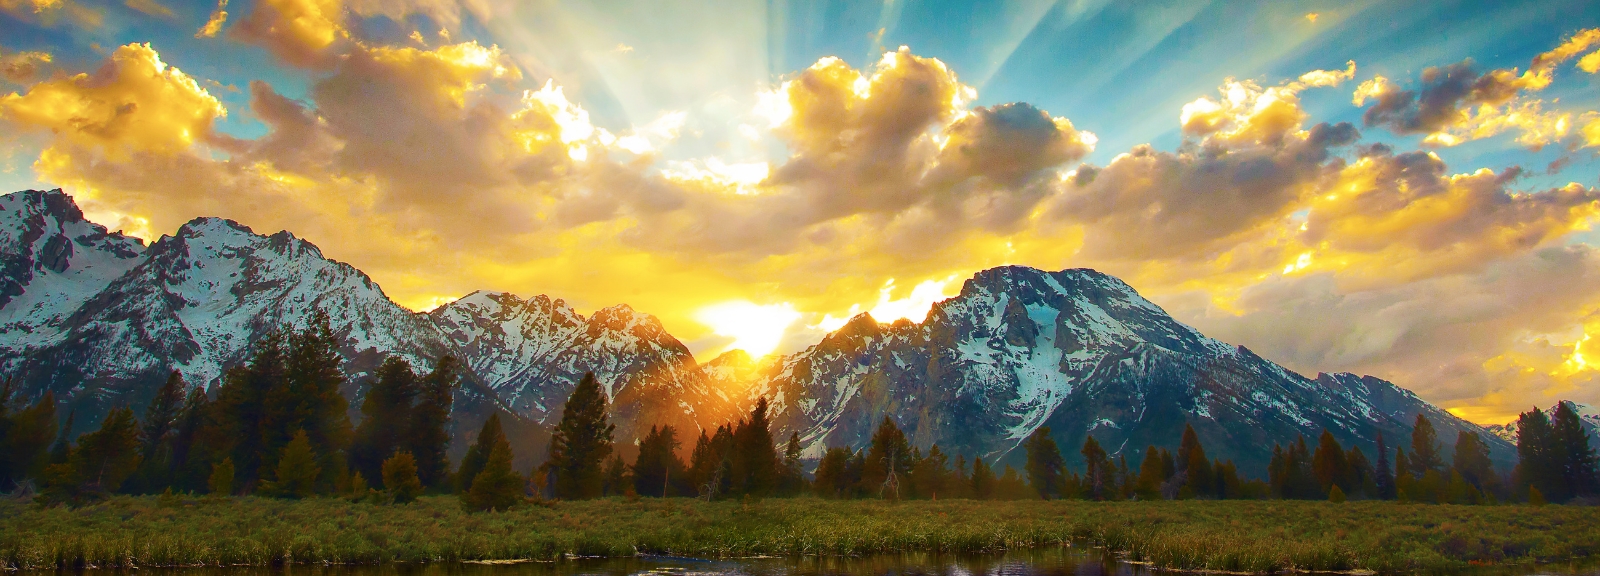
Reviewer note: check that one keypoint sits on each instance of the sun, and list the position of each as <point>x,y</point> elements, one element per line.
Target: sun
<point>755,328</point>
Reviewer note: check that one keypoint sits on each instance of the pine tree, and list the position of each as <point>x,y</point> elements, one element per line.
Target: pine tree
<point>755,458</point>
<point>242,409</point>
<point>1148,484</point>
<point>1383,475</point>
<point>314,380</point>
<point>703,463</point>
<point>155,472</point>
<point>1361,476</point>
<point>1098,476</point>
<point>429,437</point>
<point>832,478</point>
<point>194,436</point>
<point>478,454</point>
<point>385,417</point>
<point>297,469</point>
<point>25,436</point>
<point>1193,464</point>
<point>400,478</point>
<point>657,467</point>
<point>1425,449</point>
<point>1329,464</point>
<point>1577,461</point>
<point>108,456</point>
<point>888,452</point>
<point>931,475</point>
<point>616,481</point>
<point>983,480</point>
<point>497,487</point>
<point>1045,466</point>
<point>221,479</point>
<point>1539,463</point>
<point>1471,460</point>
<point>581,442</point>
<point>793,480</point>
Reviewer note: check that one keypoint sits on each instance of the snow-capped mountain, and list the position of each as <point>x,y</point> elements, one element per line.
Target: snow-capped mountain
<point>1589,415</point>
<point>532,353</point>
<point>1082,353</point>
<point>100,319</point>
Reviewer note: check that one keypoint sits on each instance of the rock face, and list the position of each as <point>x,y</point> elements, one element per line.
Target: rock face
<point>100,319</point>
<point>1082,353</point>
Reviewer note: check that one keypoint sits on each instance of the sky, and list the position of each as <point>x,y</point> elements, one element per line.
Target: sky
<point>1400,189</point>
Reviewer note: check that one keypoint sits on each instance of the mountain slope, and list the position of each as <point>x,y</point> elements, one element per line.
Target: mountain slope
<point>1082,353</point>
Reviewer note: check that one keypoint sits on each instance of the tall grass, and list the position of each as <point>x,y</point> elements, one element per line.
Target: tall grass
<point>1234,536</point>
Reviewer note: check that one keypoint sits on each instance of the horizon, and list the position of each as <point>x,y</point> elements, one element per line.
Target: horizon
<point>1378,188</point>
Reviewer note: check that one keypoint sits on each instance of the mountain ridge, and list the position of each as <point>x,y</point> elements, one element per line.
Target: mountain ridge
<point>1018,349</point>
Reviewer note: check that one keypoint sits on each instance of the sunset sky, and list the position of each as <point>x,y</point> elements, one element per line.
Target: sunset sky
<point>1401,189</point>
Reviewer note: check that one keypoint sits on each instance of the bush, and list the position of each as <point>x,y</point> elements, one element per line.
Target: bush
<point>400,478</point>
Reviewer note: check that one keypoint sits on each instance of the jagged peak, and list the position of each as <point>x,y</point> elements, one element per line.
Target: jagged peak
<point>735,358</point>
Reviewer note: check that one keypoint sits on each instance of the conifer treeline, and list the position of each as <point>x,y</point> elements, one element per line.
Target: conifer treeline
<point>278,426</point>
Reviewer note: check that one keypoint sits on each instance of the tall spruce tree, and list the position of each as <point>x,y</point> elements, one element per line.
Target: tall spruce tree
<point>1425,448</point>
<point>657,471</point>
<point>755,457</point>
<point>1383,475</point>
<point>385,417</point>
<point>983,480</point>
<point>581,442</point>
<point>242,409</point>
<point>1099,476</point>
<point>1471,461</point>
<point>428,438</point>
<point>833,479</point>
<point>497,486</point>
<point>793,479</point>
<point>1576,458</point>
<point>1538,461</point>
<point>477,455</point>
<point>1330,465</point>
<point>1148,484</point>
<point>297,469</point>
<point>194,439</point>
<point>25,436</point>
<point>931,475</point>
<point>1193,465</point>
<point>888,452</point>
<point>315,404</point>
<point>156,471</point>
<point>105,458</point>
<point>1046,468</point>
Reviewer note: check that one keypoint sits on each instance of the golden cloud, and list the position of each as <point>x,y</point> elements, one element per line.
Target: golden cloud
<point>438,173</point>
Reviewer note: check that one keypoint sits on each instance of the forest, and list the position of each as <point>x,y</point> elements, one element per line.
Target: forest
<point>277,426</point>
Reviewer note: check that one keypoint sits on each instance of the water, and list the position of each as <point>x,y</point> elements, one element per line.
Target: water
<point>1038,562</point>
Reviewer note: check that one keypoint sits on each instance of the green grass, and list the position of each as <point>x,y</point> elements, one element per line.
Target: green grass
<point>1242,536</point>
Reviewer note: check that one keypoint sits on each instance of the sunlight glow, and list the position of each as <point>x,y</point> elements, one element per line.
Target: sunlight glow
<point>755,328</point>
<point>914,307</point>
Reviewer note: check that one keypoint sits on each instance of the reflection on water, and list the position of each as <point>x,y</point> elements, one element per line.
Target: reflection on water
<point>1038,562</point>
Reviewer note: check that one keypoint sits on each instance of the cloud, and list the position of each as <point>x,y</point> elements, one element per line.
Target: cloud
<point>214,23</point>
<point>301,32</point>
<point>23,67</point>
<point>150,7</point>
<point>1456,103</point>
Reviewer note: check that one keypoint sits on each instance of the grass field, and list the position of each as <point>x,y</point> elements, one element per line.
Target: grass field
<point>1244,536</point>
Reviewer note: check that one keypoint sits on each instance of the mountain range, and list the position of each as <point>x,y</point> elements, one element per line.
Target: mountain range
<point>100,319</point>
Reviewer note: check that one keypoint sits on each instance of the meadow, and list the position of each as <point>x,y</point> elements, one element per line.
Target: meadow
<point>1235,536</point>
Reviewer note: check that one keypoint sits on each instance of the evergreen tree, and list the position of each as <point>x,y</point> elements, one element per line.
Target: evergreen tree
<point>106,457</point>
<point>1098,476</point>
<point>1148,484</point>
<point>429,437</point>
<point>1045,466</point>
<point>1382,474</point>
<point>703,462</point>
<point>241,408</point>
<point>314,379</point>
<point>1538,461</point>
<point>1425,449</point>
<point>155,472</point>
<point>193,437</point>
<point>1229,485</point>
<point>888,452</point>
<point>833,479</point>
<point>385,417</point>
<point>983,480</point>
<point>25,436</point>
<point>755,458</point>
<point>1471,461</point>
<point>931,475</point>
<point>1011,486</point>
<point>658,471</point>
<point>400,478</point>
<point>1193,465</point>
<point>478,454</point>
<point>581,442</point>
<point>221,480</point>
<point>793,480</point>
<point>1576,461</point>
<point>1361,476</point>
<point>1330,465</point>
<point>61,449</point>
<point>615,478</point>
<point>497,487</point>
<point>297,469</point>
<point>1402,474</point>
